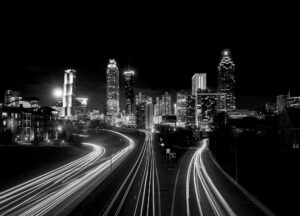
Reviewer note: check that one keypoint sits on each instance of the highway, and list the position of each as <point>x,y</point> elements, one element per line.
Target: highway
<point>207,191</point>
<point>59,191</point>
<point>139,191</point>
<point>198,181</point>
<point>122,178</point>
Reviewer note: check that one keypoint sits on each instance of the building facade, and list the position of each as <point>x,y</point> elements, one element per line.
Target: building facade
<point>181,108</point>
<point>165,104</point>
<point>190,111</point>
<point>149,115</point>
<point>12,98</point>
<point>129,92</point>
<point>69,93</point>
<point>198,82</point>
<point>19,124</point>
<point>112,89</point>
<point>206,109</point>
<point>144,112</point>
<point>282,102</point>
<point>81,107</point>
<point>226,80</point>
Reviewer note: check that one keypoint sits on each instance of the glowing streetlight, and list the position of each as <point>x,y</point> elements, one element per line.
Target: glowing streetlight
<point>226,52</point>
<point>57,92</point>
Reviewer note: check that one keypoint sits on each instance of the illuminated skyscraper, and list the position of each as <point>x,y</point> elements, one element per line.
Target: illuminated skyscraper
<point>80,107</point>
<point>149,114</point>
<point>157,107</point>
<point>226,80</point>
<point>69,93</point>
<point>198,82</point>
<point>190,110</point>
<point>208,103</point>
<point>166,104</point>
<point>112,88</point>
<point>129,92</point>
<point>181,108</point>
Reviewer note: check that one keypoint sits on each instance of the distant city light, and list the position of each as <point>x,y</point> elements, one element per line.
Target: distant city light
<point>226,52</point>
<point>82,100</point>
<point>58,92</point>
<point>129,72</point>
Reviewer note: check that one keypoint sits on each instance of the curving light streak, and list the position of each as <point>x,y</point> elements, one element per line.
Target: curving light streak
<point>197,171</point>
<point>52,192</point>
<point>146,188</point>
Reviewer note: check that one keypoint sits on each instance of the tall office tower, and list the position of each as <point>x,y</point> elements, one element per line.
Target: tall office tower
<point>190,110</point>
<point>198,82</point>
<point>226,80</point>
<point>206,108</point>
<point>140,98</point>
<point>166,104</point>
<point>80,107</point>
<point>282,102</point>
<point>181,108</point>
<point>129,92</point>
<point>112,88</point>
<point>149,114</point>
<point>141,102</point>
<point>140,115</point>
<point>102,108</point>
<point>69,93</point>
<point>157,107</point>
<point>12,98</point>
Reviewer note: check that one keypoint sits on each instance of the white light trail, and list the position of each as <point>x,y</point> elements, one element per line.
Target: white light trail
<point>146,192</point>
<point>52,192</point>
<point>197,171</point>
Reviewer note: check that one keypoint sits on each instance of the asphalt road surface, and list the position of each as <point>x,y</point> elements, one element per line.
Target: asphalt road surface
<point>202,189</point>
<point>59,191</point>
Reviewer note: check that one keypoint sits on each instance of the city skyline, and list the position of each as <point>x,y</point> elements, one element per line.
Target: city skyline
<point>157,50</point>
<point>154,109</point>
<point>32,87</point>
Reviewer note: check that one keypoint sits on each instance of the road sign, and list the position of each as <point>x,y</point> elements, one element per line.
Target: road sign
<point>168,151</point>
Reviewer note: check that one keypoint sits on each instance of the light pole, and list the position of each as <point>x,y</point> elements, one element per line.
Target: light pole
<point>236,154</point>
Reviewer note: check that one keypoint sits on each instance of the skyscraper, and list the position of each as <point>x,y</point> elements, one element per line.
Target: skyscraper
<point>129,92</point>
<point>198,82</point>
<point>80,107</point>
<point>149,114</point>
<point>226,80</point>
<point>112,88</point>
<point>141,101</point>
<point>181,108</point>
<point>190,110</point>
<point>166,104</point>
<point>69,93</point>
<point>157,107</point>
<point>207,105</point>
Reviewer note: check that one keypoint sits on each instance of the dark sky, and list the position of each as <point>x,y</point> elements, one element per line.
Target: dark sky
<point>165,44</point>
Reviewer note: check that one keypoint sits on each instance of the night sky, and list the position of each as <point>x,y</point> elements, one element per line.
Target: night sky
<point>164,44</point>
